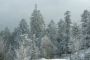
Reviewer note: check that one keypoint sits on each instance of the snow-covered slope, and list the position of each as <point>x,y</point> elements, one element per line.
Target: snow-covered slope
<point>53,59</point>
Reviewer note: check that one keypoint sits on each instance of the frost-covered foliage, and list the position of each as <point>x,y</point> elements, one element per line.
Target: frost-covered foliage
<point>35,49</point>
<point>27,49</point>
<point>67,31</point>
<point>8,51</point>
<point>76,37</point>
<point>52,31</point>
<point>81,55</point>
<point>85,29</point>
<point>61,37</point>
<point>64,39</point>
<point>24,49</point>
<point>23,27</point>
<point>2,49</point>
<point>37,22</point>
<point>47,47</point>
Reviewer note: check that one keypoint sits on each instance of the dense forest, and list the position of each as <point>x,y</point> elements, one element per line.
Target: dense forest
<point>38,40</point>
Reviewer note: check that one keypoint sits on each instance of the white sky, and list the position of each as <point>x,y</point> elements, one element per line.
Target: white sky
<point>12,11</point>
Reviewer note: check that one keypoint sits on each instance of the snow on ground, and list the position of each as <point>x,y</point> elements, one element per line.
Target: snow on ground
<point>52,59</point>
<point>81,55</point>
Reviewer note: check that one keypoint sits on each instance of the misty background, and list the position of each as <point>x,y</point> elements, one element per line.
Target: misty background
<point>12,11</point>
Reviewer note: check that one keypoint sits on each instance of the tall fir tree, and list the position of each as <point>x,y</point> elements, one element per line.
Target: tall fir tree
<point>7,42</point>
<point>8,51</point>
<point>20,30</point>
<point>52,31</point>
<point>76,37</point>
<point>27,49</point>
<point>35,54</point>
<point>67,30</point>
<point>88,32</point>
<point>61,37</point>
<point>84,21</point>
<point>37,22</point>
<point>23,26</point>
<point>15,37</point>
<point>75,31</point>
<point>2,48</point>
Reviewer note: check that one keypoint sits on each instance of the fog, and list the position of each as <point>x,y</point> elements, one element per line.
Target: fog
<point>12,11</point>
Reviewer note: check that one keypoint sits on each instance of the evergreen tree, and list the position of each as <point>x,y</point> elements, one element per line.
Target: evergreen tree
<point>2,49</point>
<point>35,53</point>
<point>52,31</point>
<point>61,37</point>
<point>6,34</point>
<point>8,52</point>
<point>76,37</point>
<point>23,27</point>
<point>75,31</point>
<point>88,32</point>
<point>67,30</point>
<point>25,49</point>
<point>15,37</point>
<point>37,22</point>
<point>84,21</point>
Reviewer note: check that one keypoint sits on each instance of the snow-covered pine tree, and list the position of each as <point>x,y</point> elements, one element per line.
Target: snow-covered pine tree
<point>37,22</point>
<point>61,37</point>
<point>6,36</point>
<point>25,46</point>
<point>67,31</point>
<point>21,29</point>
<point>2,49</point>
<point>52,31</point>
<point>23,26</point>
<point>76,37</point>
<point>75,31</point>
<point>27,49</point>
<point>84,21</point>
<point>15,37</point>
<point>35,49</point>
<point>88,32</point>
